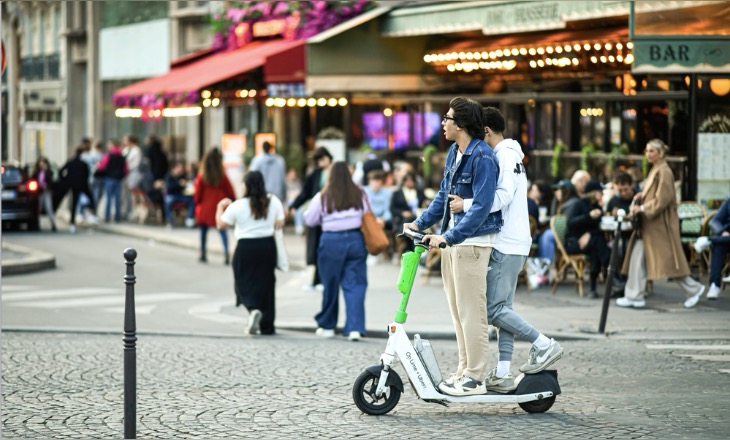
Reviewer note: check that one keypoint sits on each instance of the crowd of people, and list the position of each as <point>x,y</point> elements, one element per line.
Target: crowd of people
<point>486,210</point>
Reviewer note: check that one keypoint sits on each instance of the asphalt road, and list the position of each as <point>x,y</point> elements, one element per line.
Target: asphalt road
<point>174,293</point>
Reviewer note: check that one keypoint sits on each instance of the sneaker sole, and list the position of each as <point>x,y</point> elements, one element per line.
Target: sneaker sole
<point>501,389</point>
<point>254,326</point>
<point>547,363</point>
<point>456,393</point>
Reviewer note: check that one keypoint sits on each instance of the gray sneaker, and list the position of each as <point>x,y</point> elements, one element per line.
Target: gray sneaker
<point>500,384</point>
<point>539,360</point>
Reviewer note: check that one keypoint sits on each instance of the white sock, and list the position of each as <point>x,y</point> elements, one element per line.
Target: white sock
<point>502,368</point>
<point>542,342</point>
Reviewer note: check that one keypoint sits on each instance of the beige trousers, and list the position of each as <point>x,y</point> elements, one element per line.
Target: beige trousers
<point>636,282</point>
<point>464,271</point>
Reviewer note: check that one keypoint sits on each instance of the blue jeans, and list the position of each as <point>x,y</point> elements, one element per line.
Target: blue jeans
<point>113,190</point>
<point>171,199</point>
<point>341,262</point>
<point>720,248</point>
<point>204,240</point>
<point>501,285</point>
<point>546,248</point>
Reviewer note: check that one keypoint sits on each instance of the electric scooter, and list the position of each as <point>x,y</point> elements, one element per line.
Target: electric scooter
<point>378,388</point>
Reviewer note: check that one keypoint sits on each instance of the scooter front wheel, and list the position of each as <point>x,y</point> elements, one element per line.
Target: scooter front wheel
<point>363,393</point>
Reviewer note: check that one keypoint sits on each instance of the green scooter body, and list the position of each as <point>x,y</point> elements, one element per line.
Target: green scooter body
<point>408,267</point>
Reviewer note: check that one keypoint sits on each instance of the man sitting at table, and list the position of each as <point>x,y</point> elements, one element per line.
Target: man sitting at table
<point>175,183</point>
<point>720,243</point>
<point>624,186</point>
<point>584,233</point>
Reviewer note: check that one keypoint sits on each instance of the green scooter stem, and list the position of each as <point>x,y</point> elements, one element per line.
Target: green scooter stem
<point>408,267</point>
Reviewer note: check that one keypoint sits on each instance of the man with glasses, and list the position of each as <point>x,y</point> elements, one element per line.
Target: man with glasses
<point>470,172</point>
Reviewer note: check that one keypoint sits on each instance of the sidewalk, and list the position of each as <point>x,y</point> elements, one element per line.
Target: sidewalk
<point>563,315</point>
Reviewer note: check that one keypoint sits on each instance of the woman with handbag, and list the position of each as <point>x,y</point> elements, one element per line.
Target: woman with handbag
<point>655,249</point>
<point>339,209</point>
<point>254,218</point>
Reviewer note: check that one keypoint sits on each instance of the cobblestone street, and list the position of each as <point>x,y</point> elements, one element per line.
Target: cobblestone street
<point>297,386</point>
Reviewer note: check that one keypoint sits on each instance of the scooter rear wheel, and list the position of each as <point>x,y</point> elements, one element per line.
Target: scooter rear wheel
<point>363,393</point>
<point>538,406</point>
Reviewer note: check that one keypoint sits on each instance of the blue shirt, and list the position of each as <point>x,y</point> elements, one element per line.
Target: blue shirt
<point>380,202</point>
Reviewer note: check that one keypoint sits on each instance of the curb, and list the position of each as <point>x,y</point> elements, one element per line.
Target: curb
<point>32,261</point>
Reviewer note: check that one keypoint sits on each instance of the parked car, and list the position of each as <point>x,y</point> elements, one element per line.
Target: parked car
<point>20,195</point>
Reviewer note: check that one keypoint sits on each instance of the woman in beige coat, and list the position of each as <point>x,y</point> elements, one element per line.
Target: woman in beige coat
<point>655,249</point>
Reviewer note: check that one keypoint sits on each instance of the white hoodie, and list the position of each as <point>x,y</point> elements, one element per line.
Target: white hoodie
<point>511,197</point>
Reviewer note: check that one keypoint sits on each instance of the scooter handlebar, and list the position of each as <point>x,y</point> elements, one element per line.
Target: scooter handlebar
<point>418,236</point>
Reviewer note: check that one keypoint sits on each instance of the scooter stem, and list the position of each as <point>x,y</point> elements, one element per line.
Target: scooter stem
<point>408,267</point>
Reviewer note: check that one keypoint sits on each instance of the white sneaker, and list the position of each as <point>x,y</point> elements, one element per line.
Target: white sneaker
<point>319,287</point>
<point>726,279</point>
<point>325,332</point>
<point>692,300</point>
<point>713,292</point>
<point>190,222</point>
<point>299,230</point>
<point>92,220</point>
<point>354,336</point>
<point>702,243</point>
<point>254,319</point>
<point>372,260</point>
<point>72,229</point>
<point>626,302</point>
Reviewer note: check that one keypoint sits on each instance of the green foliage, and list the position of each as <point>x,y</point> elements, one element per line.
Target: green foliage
<point>586,151</point>
<point>558,149</point>
<point>428,152</point>
<point>616,152</point>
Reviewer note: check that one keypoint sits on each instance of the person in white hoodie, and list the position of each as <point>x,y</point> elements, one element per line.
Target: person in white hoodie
<point>508,257</point>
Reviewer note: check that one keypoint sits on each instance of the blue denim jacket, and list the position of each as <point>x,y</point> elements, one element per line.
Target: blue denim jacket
<point>474,178</point>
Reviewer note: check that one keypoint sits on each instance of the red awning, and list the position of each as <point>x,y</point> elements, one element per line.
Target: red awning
<point>212,69</point>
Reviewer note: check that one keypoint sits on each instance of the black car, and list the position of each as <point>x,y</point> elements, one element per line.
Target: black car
<point>20,195</point>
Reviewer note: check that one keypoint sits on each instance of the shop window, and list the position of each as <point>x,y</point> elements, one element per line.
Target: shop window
<point>592,123</point>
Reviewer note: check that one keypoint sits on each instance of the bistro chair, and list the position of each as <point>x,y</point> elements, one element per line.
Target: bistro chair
<point>691,225</point>
<point>563,260</point>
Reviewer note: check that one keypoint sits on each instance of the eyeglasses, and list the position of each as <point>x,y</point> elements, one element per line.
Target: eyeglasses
<point>443,121</point>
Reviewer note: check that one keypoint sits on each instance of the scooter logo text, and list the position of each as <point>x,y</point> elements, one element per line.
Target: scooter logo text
<point>415,368</point>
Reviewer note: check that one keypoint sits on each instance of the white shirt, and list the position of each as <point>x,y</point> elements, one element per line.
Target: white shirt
<point>238,214</point>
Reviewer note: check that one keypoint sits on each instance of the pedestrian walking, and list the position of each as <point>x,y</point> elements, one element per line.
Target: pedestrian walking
<point>254,218</point>
<point>272,167</point>
<point>43,174</point>
<point>112,168</point>
<point>175,183</point>
<point>405,206</point>
<point>655,250</point>
<point>92,159</point>
<point>471,172</point>
<point>338,208</point>
<point>509,255</point>
<point>312,185</point>
<point>211,186</point>
<point>76,175</point>
<point>719,242</point>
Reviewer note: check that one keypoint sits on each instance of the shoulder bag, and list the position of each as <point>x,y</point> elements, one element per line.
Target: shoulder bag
<point>375,239</point>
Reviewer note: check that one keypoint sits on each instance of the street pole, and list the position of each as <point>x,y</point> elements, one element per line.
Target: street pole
<point>130,349</point>
<point>609,272</point>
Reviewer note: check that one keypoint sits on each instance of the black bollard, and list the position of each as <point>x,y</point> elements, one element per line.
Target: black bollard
<point>609,276</point>
<point>130,349</point>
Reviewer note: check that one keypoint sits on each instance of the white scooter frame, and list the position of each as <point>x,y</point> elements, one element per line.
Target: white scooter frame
<point>534,392</point>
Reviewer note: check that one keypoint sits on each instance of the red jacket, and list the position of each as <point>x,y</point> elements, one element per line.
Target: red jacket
<point>206,199</point>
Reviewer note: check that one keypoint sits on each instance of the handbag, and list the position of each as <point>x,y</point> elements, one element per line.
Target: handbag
<point>282,259</point>
<point>375,239</point>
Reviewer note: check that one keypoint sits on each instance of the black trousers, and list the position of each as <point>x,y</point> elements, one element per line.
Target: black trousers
<point>254,262</point>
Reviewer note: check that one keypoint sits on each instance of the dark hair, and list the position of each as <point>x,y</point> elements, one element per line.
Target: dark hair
<point>212,170</point>
<point>623,178</point>
<point>493,119</point>
<point>568,193</point>
<point>256,193</point>
<point>468,115</point>
<point>79,151</point>
<point>340,193</point>
<point>268,147</point>
<point>133,139</point>
<point>409,175</point>
<point>377,175</point>
<point>321,152</point>
<point>546,192</point>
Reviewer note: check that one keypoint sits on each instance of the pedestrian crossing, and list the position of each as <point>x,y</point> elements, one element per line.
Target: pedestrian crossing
<point>698,352</point>
<point>104,298</point>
